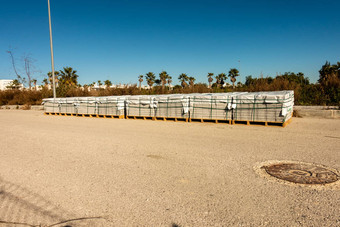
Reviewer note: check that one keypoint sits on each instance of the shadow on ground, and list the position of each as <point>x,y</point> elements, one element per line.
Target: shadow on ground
<point>21,207</point>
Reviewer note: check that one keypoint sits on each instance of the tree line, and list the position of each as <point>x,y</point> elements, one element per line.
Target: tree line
<point>325,92</point>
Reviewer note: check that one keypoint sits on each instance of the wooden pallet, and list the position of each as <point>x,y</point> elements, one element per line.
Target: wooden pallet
<point>139,117</point>
<point>217,121</point>
<point>205,120</point>
<point>242,122</point>
<point>86,115</point>
<point>175,119</point>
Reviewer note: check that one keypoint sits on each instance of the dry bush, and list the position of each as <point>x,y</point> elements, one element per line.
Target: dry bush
<point>26,107</point>
<point>17,97</point>
<point>296,114</point>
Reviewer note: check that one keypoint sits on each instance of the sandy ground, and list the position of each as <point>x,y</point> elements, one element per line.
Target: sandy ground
<point>151,173</point>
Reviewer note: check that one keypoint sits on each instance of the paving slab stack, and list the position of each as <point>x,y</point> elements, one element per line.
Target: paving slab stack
<point>66,105</point>
<point>172,106</point>
<point>215,106</point>
<point>110,105</point>
<point>140,106</point>
<point>263,106</point>
<point>86,105</point>
<point>51,105</point>
<point>274,106</point>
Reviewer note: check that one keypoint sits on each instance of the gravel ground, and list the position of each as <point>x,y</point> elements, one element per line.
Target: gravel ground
<point>152,173</point>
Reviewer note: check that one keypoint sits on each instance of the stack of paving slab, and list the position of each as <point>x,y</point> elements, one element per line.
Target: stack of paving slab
<point>51,105</point>
<point>264,106</point>
<point>172,106</point>
<point>140,106</point>
<point>110,105</point>
<point>60,105</point>
<point>243,106</point>
<point>236,106</point>
<point>215,106</point>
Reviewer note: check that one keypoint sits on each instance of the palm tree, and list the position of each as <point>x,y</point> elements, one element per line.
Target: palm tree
<point>45,81</point>
<point>34,81</point>
<point>217,80</point>
<point>163,76</point>
<point>140,79</point>
<point>56,77</point>
<point>91,85</point>
<point>183,78</point>
<point>108,83</point>
<point>150,78</point>
<point>233,73</point>
<point>220,79</point>
<point>158,82</point>
<point>68,76</point>
<point>210,79</point>
<point>99,83</point>
<point>169,82</point>
<point>192,81</point>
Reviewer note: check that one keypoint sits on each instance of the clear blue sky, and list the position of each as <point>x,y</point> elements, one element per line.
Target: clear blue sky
<point>119,40</point>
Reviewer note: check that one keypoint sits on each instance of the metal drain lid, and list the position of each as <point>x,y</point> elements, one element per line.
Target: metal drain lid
<point>302,173</point>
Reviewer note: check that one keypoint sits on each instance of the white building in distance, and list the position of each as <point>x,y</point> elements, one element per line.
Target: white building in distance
<point>4,84</point>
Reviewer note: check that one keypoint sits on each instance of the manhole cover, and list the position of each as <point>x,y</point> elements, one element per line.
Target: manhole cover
<point>302,173</point>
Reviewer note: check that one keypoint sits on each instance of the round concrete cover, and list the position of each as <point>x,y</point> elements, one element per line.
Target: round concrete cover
<point>302,173</point>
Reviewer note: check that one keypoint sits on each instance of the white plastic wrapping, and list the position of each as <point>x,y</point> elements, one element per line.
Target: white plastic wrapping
<point>274,106</point>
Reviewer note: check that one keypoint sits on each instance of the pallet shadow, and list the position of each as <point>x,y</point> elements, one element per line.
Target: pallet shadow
<point>22,207</point>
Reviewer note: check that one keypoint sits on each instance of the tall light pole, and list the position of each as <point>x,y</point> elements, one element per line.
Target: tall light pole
<point>51,44</point>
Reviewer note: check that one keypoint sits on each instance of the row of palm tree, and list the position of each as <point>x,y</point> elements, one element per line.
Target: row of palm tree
<point>68,77</point>
<point>164,79</point>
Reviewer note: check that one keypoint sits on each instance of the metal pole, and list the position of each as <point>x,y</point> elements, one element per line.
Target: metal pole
<point>51,43</point>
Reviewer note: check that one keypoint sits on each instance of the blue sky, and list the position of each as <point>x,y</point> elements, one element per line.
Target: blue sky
<point>119,40</point>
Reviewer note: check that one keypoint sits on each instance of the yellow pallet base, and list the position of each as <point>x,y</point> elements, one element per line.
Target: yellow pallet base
<point>86,115</point>
<point>217,121</point>
<point>140,117</point>
<point>242,122</point>
<point>175,119</point>
<point>204,120</point>
<point>260,123</point>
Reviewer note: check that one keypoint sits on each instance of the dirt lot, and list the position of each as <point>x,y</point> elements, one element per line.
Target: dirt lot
<point>151,173</point>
